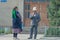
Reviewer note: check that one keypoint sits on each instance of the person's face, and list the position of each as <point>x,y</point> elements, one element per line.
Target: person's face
<point>35,11</point>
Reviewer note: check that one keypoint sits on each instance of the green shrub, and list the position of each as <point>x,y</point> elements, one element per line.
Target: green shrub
<point>3,31</point>
<point>53,32</point>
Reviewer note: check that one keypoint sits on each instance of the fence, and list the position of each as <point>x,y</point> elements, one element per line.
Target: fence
<point>5,30</point>
<point>47,31</point>
<point>52,32</point>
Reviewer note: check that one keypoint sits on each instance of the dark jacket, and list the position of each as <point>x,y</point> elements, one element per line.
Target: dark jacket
<point>17,22</point>
<point>35,19</point>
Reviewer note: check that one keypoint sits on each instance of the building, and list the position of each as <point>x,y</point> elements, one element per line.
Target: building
<point>25,8</point>
<point>41,8</point>
<point>6,7</point>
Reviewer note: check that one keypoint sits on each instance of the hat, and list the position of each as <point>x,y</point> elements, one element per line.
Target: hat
<point>34,8</point>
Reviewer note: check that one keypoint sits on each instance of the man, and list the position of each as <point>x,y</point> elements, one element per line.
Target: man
<point>35,20</point>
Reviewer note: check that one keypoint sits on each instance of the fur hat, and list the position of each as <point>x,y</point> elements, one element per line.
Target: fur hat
<point>34,8</point>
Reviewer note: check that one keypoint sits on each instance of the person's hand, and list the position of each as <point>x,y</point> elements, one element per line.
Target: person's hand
<point>32,13</point>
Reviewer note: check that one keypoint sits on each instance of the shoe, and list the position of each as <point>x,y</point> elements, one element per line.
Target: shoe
<point>34,38</point>
<point>29,38</point>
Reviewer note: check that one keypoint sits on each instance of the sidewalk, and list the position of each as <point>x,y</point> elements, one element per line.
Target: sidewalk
<point>20,36</point>
<point>50,38</point>
<point>25,37</point>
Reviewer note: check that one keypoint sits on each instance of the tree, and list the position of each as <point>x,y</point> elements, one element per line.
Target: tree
<point>53,10</point>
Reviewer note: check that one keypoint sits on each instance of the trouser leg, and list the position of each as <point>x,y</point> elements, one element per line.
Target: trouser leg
<point>15,35</point>
<point>35,31</point>
<point>31,34</point>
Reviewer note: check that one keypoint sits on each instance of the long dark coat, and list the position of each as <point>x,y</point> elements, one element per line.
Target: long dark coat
<point>17,22</point>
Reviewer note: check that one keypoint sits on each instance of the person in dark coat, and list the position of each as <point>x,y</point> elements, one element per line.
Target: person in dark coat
<point>17,22</point>
<point>35,18</point>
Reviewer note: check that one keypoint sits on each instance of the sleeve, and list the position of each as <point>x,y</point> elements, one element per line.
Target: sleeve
<point>13,14</point>
<point>31,17</point>
<point>38,17</point>
<point>18,14</point>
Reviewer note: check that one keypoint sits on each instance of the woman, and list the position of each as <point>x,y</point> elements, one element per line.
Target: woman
<point>17,22</point>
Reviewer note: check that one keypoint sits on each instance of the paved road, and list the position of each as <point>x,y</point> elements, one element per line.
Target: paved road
<point>25,36</point>
<point>20,36</point>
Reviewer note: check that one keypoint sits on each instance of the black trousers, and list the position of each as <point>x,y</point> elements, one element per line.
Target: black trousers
<point>33,29</point>
<point>15,35</point>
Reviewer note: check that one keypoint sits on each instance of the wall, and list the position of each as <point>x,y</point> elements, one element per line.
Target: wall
<point>5,11</point>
